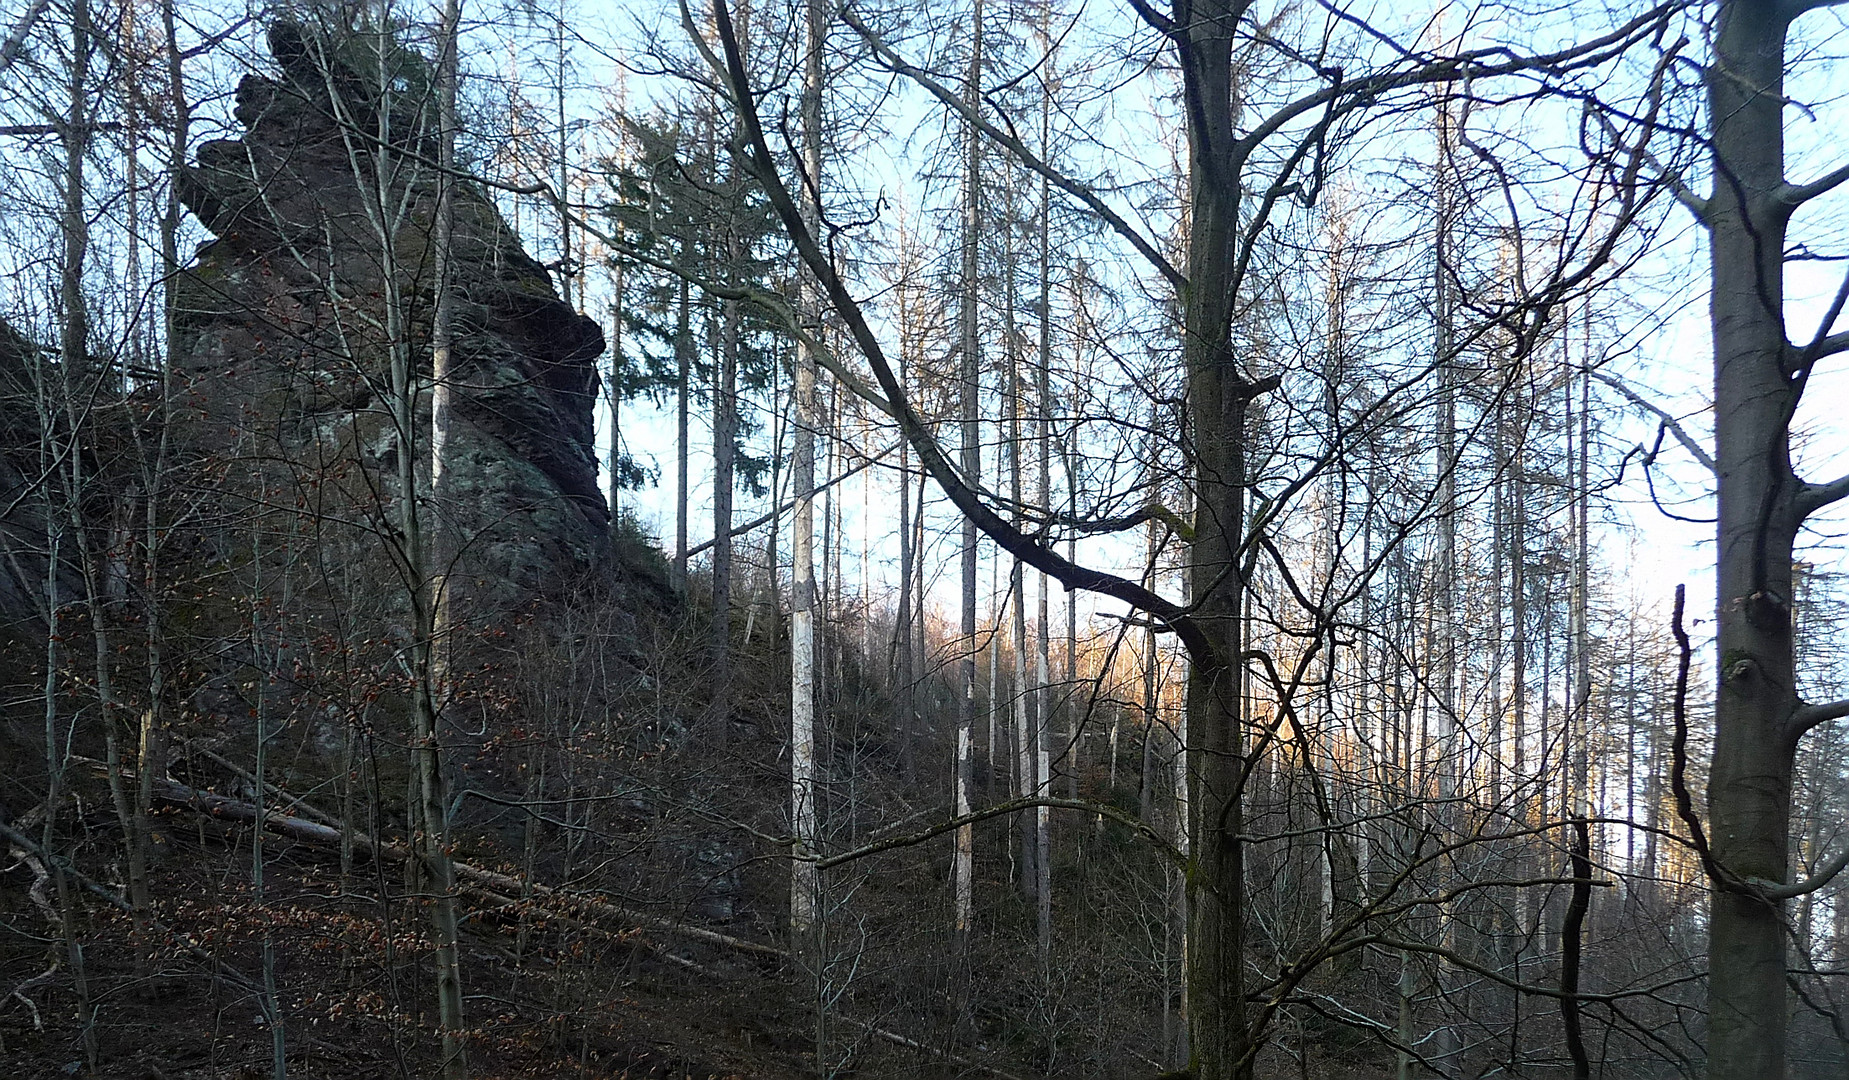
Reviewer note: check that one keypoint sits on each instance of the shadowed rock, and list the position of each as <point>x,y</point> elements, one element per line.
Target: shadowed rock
<point>287,327</point>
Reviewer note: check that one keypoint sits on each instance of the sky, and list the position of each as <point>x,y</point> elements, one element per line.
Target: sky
<point>1660,350</point>
<point>1654,336</point>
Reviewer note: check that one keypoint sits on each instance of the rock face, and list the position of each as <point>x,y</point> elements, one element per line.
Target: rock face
<point>320,284</point>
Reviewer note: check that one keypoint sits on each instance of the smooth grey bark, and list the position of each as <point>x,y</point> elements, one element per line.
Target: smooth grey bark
<point>1759,378</point>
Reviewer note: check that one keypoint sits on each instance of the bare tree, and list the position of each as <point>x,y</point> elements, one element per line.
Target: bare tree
<point>1761,371</point>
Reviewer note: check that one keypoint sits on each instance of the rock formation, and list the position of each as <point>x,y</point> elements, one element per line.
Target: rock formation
<point>288,321</point>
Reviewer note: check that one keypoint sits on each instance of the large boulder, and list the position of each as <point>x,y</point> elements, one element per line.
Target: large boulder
<point>321,274</point>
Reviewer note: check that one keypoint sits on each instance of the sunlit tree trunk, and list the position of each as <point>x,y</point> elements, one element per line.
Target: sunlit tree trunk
<point>964,868</point>
<point>802,539</point>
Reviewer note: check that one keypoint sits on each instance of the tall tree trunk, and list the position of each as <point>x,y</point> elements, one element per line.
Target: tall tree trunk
<point>613,397</point>
<point>683,374</point>
<point>1021,700</point>
<point>963,870</point>
<point>725,451</point>
<point>903,671</point>
<point>83,388</point>
<point>803,877</point>
<point>1445,671</point>
<point>386,207</point>
<point>1043,694</point>
<point>73,330</point>
<point>1758,380</point>
<point>265,673</point>
<point>1220,394</point>
<point>442,354</point>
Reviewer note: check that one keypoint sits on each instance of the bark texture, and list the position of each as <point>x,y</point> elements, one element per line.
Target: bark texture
<point>1758,380</point>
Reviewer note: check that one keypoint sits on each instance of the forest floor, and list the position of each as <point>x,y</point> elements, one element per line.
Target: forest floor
<point>352,990</point>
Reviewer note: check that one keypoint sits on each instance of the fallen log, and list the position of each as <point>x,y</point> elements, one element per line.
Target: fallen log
<point>225,808</point>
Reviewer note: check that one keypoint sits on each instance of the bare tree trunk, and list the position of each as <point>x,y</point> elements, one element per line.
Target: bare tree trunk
<point>83,386</point>
<point>803,876</point>
<point>613,397</point>
<point>963,871</point>
<point>1043,695</point>
<point>1021,698</point>
<point>1759,378</point>
<point>386,205</point>
<point>903,673</point>
<point>1074,717</point>
<point>57,748</point>
<point>1445,675</point>
<point>683,364</point>
<point>267,1001</point>
<point>725,448</point>
<point>1219,396</point>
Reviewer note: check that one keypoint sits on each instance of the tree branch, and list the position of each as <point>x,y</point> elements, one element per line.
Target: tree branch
<point>1830,345</point>
<point>1163,24</point>
<point>1678,748</point>
<point>16,41</point>
<point>1014,146</point>
<point>1815,497</point>
<point>183,940</point>
<point>1795,195</point>
<point>1799,363</point>
<point>1756,888</point>
<point>1012,806</point>
<point>1773,890</point>
<point>790,504</point>
<point>756,158</point>
<point>320,835</point>
<point>1669,422</point>
<point>1791,9</point>
<point>1809,716</point>
<point>1571,927</point>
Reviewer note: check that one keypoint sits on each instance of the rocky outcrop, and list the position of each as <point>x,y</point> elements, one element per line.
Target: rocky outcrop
<point>320,273</point>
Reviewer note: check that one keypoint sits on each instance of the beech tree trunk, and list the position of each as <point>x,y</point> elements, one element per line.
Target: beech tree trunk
<point>1758,380</point>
